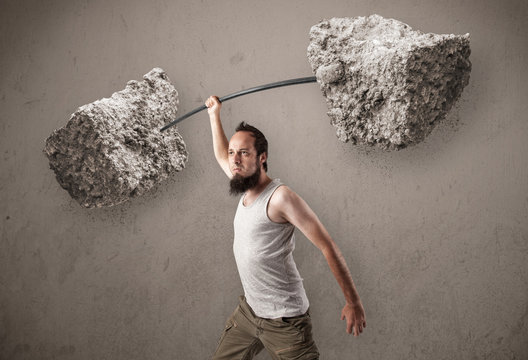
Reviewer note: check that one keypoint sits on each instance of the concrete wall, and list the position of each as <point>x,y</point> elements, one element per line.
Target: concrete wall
<point>436,235</point>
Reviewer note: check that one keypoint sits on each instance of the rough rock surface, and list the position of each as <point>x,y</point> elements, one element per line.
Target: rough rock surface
<point>384,83</point>
<point>112,149</point>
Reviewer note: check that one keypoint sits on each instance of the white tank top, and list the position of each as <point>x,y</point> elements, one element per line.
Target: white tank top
<point>263,253</point>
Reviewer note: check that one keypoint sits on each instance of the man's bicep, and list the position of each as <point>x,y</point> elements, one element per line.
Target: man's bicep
<point>304,218</point>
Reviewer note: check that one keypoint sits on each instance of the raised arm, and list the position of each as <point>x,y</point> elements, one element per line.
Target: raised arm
<point>220,142</point>
<point>286,205</point>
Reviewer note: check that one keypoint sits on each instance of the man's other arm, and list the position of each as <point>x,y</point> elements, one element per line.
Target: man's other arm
<point>286,205</point>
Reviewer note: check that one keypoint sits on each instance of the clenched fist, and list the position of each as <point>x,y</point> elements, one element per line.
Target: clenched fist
<point>213,105</point>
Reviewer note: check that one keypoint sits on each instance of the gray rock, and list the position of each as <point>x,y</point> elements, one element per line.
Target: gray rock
<point>385,84</point>
<point>112,149</point>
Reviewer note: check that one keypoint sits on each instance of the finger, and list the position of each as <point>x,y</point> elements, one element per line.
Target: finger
<point>357,329</point>
<point>350,327</point>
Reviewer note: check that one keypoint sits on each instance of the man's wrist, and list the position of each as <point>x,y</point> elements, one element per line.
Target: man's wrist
<point>353,302</point>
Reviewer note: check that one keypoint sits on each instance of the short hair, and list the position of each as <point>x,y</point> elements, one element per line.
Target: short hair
<point>261,144</point>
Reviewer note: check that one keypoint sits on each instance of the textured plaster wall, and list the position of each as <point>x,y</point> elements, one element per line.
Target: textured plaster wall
<point>436,235</point>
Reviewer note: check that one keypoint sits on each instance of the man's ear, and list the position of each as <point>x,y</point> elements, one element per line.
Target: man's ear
<point>263,157</point>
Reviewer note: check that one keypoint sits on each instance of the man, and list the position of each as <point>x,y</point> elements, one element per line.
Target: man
<point>273,314</point>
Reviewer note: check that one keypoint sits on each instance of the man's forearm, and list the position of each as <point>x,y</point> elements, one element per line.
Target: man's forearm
<point>339,268</point>
<point>220,142</point>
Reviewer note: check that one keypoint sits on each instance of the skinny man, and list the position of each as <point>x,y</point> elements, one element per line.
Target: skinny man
<point>273,313</point>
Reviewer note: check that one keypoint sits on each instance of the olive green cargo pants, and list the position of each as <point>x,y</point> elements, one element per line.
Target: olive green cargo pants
<point>246,334</point>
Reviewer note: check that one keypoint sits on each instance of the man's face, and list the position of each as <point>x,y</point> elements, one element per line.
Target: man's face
<point>243,159</point>
<point>243,163</point>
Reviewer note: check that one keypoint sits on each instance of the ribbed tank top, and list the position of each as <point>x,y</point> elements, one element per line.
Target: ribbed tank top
<point>263,253</point>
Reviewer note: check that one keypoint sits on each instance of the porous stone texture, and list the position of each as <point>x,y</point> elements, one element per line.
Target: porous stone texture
<point>112,149</point>
<point>384,83</point>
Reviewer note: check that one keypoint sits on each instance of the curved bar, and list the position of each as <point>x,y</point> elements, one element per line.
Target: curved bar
<point>277,84</point>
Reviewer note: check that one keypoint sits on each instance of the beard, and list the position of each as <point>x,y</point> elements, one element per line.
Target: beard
<point>240,184</point>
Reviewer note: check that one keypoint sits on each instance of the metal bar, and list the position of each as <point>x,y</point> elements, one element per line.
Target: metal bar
<point>277,84</point>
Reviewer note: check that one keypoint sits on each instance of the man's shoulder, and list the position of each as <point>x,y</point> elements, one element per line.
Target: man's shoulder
<point>281,203</point>
<point>282,191</point>
<point>287,206</point>
<point>283,195</point>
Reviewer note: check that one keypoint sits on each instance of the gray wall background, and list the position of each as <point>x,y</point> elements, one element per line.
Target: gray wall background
<point>436,235</point>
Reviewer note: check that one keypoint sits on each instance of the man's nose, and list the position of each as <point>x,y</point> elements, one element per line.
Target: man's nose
<point>236,158</point>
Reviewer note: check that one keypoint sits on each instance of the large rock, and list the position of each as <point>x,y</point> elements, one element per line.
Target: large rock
<point>384,83</point>
<point>112,149</point>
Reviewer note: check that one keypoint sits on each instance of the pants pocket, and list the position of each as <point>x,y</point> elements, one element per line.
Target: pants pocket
<point>224,333</point>
<point>230,323</point>
<point>294,339</point>
<point>302,324</point>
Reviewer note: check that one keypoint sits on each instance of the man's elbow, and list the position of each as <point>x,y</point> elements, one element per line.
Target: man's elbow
<point>329,250</point>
